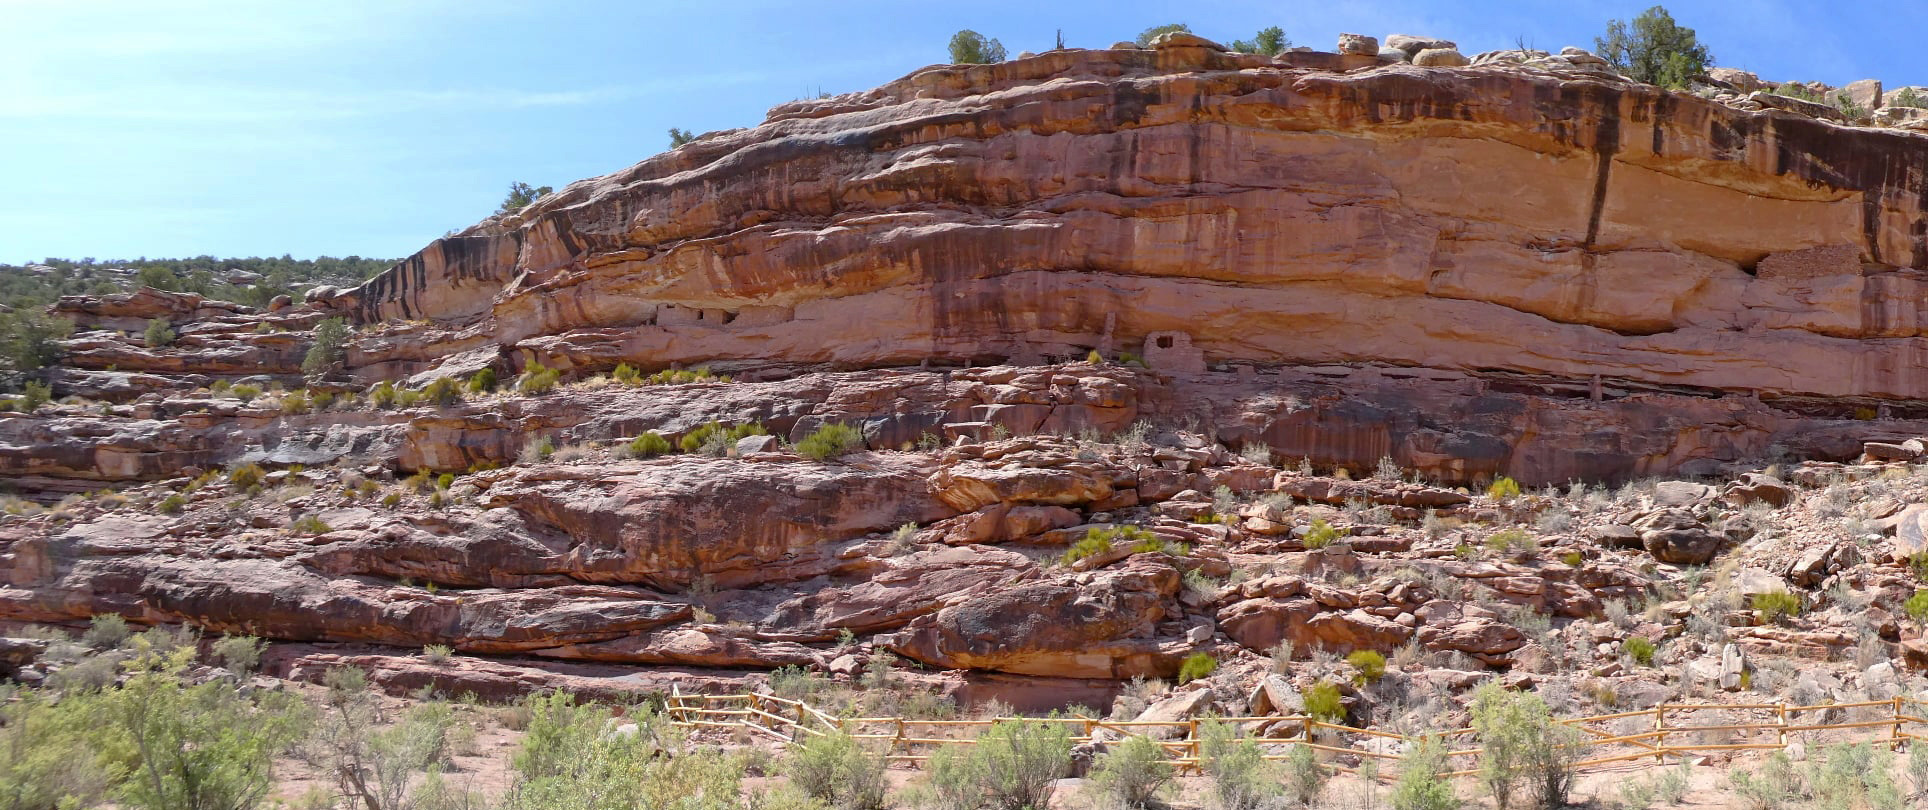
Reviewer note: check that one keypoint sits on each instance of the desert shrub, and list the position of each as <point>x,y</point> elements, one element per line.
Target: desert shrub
<point>246,476</point>
<point>172,503</point>
<point>296,401</point>
<point>1130,775</point>
<point>1320,534</point>
<point>443,392</point>
<point>539,379</point>
<point>1639,649</point>
<point>1503,488</point>
<point>1323,702</point>
<point>481,382</point>
<point>1917,608</point>
<point>536,450</point>
<point>627,374</point>
<point>1011,767</point>
<point>33,395</point>
<point>830,440</point>
<point>54,755</point>
<point>648,445</point>
<point>1773,786</point>
<point>1369,664</point>
<point>1420,784</point>
<point>713,439</point>
<point>1095,542</point>
<point>383,395</point>
<point>198,746</point>
<point>1305,777</point>
<point>972,48</point>
<point>836,769</point>
<point>1195,666</point>
<point>246,392</point>
<point>105,631</point>
<point>330,346</point>
<point>1918,563</point>
<point>375,766</point>
<point>1523,751</point>
<point>1512,541</point>
<point>309,525</point>
<point>1240,777</point>
<point>240,654</point>
<point>1149,543</point>
<point>437,653</point>
<point>444,481</point>
<point>1773,606</point>
<point>669,376</point>
<point>159,334</point>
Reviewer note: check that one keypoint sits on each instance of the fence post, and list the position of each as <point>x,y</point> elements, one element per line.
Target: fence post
<point>1894,740</point>
<point>894,741</point>
<point>1660,733</point>
<point>1782,737</point>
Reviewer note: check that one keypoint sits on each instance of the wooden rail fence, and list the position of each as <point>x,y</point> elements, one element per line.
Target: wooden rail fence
<point>909,741</point>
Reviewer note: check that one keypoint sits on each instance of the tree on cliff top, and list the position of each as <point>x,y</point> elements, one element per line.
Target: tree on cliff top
<point>1654,49</point>
<point>972,48</point>
<point>520,195</point>
<point>1145,37</point>
<point>1269,42</point>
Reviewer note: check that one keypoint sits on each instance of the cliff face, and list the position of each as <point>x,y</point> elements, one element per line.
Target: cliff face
<point>1275,213</point>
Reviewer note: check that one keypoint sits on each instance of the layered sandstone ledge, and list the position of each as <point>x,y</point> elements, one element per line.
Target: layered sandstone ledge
<point>1309,209</point>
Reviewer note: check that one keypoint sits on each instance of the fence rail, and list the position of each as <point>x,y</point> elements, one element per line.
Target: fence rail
<point>909,741</point>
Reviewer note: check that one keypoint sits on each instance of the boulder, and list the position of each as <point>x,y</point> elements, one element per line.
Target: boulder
<point>1810,109</point>
<point>1758,487</point>
<point>1183,39</point>
<point>1740,80</point>
<point>1174,710</point>
<point>1394,55</point>
<point>1411,45</point>
<point>1358,44</point>
<point>1864,93</point>
<point>1440,57</point>
<point>1677,536</point>
<point>1681,493</point>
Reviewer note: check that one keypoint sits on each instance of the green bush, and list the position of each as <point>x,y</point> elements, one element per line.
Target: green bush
<point>57,755</point>
<point>1908,97</point>
<point>1011,767</point>
<point>1240,777</point>
<point>1195,666</point>
<point>1305,777</point>
<point>172,504</point>
<point>1320,534</point>
<point>1639,649</point>
<point>1773,606</point>
<point>713,439</point>
<point>1917,608</point>
<point>245,392</point>
<point>330,346</point>
<point>1131,773</point>
<point>295,402</point>
<point>1420,785</point>
<point>33,395</point>
<point>246,476</point>
<point>1523,751</point>
<point>437,653</point>
<point>1369,664</point>
<point>481,382</point>
<point>1512,541</point>
<point>1324,702</point>
<point>539,379</point>
<point>1503,488</point>
<point>159,334</point>
<point>627,374</point>
<point>199,746</point>
<point>1095,542</point>
<point>649,445</point>
<point>383,395</point>
<point>444,481</point>
<point>309,525</point>
<point>443,392</point>
<point>836,769</point>
<point>830,440</point>
<point>240,654</point>
<point>105,631</point>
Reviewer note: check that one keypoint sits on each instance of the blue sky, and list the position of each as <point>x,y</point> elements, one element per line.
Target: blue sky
<point>369,127</point>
